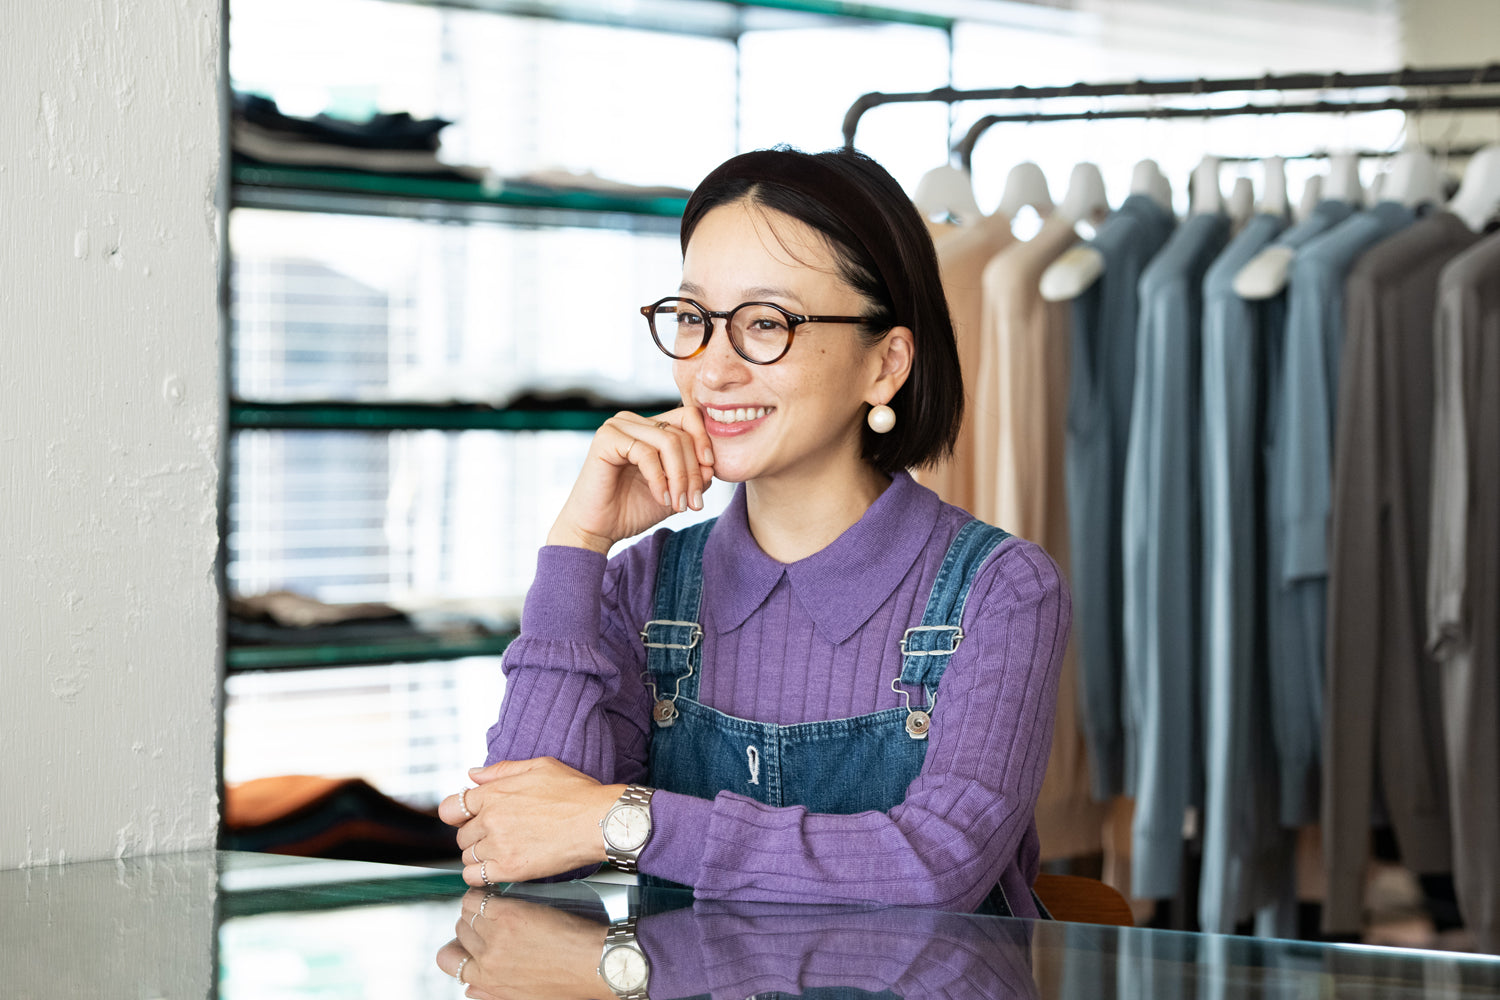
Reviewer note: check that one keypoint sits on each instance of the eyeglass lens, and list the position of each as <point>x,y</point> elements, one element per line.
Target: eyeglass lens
<point>759,332</point>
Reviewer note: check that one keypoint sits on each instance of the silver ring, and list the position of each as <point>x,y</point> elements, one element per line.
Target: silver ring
<point>475,853</point>
<point>482,876</point>
<point>464,805</point>
<point>482,904</point>
<point>662,424</point>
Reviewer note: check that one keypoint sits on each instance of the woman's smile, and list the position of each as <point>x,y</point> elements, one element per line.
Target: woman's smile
<point>730,421</point>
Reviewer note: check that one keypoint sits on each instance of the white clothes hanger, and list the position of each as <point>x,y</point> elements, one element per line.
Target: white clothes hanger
<point>1146,178</point>
<point>1077,267</point>
<point>1085,200</point>
<point>1204,193</point>
<point>1273,199</point>
<point>1025,185</point>
<point>1312,193</point>
<point>947,192</point>
<point>1343,179</point>
<point>1265,274</point>
<point>1478,196</point>
<point>1241,203</point>
<point>1413,179</point>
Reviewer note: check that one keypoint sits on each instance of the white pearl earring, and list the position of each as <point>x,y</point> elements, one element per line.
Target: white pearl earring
<point>881,418</point>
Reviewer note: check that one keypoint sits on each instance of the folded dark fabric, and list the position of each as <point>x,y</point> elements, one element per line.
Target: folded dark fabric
<point>348,819</point>
<point>395,131</point>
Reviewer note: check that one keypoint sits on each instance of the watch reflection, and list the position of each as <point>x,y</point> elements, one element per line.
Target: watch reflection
<point>558,942</point>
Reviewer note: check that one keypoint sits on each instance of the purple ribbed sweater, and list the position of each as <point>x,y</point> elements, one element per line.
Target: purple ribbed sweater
<point>812,640</point>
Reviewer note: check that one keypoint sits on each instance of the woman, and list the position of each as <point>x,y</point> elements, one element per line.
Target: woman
<point>836,691</point>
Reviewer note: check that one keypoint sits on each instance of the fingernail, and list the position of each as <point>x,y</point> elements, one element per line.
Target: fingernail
<point>708,456</point>
<point>475,770</point>
<point>697,499</point>
<point>682,503</point>
<point>666,498</point>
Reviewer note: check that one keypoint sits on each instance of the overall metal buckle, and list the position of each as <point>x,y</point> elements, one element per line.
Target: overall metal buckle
<point>664,710</point>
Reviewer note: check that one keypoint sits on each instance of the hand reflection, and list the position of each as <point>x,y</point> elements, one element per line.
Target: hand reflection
<point>538,948</point>
<point>517,948</point>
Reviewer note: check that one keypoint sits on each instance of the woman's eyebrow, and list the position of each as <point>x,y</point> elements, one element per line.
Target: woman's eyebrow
<point>750,294</point>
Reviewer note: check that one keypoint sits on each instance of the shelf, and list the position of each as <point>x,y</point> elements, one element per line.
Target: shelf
<point>239,659</point>
<point>352,192</point>
<point>710,18</point>
<point>330,416</point>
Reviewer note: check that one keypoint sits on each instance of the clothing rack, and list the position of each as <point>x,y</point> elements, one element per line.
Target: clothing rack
<point>1462,77</point>
<point>965,146</point>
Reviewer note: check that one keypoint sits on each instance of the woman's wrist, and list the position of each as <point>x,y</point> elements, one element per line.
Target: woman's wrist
<point>571,536</point>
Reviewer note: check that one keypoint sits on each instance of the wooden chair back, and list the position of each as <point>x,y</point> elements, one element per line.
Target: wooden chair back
<point>1083,900</point>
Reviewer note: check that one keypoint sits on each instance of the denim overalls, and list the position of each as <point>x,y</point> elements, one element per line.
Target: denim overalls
<point>835,766</point>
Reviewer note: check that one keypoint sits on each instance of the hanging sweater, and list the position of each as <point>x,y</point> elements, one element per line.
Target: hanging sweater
<point>808,641</point>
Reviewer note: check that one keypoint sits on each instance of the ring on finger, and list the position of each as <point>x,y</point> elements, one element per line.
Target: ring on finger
<point>663,424</point>
<point>482,876</point>
<point>479,912</point>
<point>475,853</point>
<point>463,803</point>
<point>458,973</point>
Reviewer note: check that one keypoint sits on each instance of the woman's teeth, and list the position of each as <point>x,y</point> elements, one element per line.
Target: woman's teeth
<point>737,416</point>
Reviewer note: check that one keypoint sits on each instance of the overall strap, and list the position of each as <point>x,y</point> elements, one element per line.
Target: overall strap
<point>673,637</point>
<point>927,648</point>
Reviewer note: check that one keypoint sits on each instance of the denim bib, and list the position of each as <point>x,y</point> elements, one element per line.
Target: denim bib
<point>835,766</point>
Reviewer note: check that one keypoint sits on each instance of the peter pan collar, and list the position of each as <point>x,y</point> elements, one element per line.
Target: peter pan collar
<point>841,586</point>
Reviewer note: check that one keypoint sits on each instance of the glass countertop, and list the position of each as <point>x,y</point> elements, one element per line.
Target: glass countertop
<point>233,925</point>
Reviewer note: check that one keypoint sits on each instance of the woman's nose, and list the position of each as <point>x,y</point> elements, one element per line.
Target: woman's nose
<point>719,364</point>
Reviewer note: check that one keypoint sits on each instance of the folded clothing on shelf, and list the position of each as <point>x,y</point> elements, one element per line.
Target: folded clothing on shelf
<point>344,818</point>
<point>286,618</point>
<point>393,143</point>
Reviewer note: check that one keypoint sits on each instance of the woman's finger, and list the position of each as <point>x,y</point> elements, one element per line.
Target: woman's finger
<point>697,452</point>
<point>458,808</point>
<point>675,451</point>
<point>450,956</point>
<point>691,421</point>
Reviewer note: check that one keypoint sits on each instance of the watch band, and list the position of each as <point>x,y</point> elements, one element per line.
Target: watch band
<point>638,796</point>
<point>622,935</point>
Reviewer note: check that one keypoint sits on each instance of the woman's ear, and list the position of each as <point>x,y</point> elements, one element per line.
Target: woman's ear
<point>896,352</point>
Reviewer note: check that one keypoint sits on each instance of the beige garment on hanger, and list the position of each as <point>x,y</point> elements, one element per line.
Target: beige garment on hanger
<point>962,254</point>
<point>1020,408</point>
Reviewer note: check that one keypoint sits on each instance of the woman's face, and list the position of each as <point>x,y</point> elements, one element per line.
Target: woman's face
<point>802,413</point>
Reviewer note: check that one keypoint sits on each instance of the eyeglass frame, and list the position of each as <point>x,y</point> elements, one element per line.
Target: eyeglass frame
<point>793,320</point>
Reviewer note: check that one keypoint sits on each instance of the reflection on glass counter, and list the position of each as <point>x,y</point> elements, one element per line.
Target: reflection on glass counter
<point>246,927</point>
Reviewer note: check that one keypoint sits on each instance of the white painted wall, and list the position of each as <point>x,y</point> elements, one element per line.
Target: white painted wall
<point>109,426</point>
<point>1452,33</point>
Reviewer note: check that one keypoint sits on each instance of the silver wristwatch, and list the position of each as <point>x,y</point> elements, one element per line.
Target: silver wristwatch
<point>624,966</point>
<point>627,827</point>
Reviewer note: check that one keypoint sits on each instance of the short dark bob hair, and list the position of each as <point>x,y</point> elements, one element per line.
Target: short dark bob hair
<point>885,253</point>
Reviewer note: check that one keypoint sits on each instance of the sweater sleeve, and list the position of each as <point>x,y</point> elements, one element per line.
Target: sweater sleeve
<point>572,677</point>
<point>965,818</point>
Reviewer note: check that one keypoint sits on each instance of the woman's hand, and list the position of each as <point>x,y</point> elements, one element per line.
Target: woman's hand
<point>639,471</point>
<point>525,950</point>
<point>531,819</point>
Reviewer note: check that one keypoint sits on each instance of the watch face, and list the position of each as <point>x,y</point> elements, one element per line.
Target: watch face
<point>627,827</point>
<point>624,969</point>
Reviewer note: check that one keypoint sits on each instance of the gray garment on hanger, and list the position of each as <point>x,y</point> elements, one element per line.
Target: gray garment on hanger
<point>1161,554</point>
<point>1102,381</point>
<point>1463,619</point>
<point>1296,694</point>
<point>1383,727</point>
<point>1299,482</point>
<point>1248,857</point>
